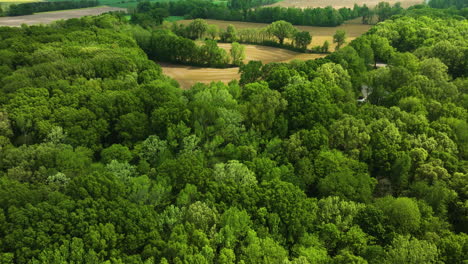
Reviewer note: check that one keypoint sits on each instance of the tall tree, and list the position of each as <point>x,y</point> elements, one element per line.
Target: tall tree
<point>339,38</point>
<point>282,29</point>
<point>237,53</point>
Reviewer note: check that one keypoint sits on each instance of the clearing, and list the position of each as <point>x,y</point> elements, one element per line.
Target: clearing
<point>340,3</point>
<point>187,76</point>
<point>49,17</point>
<point>354,28</point>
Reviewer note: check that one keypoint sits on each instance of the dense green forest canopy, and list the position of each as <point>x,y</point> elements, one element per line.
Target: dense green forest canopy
<point>103,159</point>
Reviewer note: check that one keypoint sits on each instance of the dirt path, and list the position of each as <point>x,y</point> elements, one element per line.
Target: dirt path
<point>49,17</point>
<point>187,76</point>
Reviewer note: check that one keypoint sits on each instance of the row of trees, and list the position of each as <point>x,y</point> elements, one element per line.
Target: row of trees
<point>272,35</point>
<point>30,8</point>
<point>105,159</point>
<point>459,4</point>
<point>165,46</point>
<point>206,9</point>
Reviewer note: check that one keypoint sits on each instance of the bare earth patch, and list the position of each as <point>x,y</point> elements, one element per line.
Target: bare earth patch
<point>187,76</point>
<point>49,17</point>
<point>340,3</point>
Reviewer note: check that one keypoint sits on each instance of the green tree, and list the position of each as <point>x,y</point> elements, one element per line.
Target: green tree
<point>237,53</point>
<point>212,31</point>
<point>302,39</point>
<point>197,28</point>
<point>411,250</point>
<point>339,38</point>
<point>282,29</point>
<point>325,47</point>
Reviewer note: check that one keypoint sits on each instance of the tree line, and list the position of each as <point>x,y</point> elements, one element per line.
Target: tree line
<point>273,35</point>
<point>105,159</point>
<point>165,46</point>
<point>297,16</point>
<point>31,8</point>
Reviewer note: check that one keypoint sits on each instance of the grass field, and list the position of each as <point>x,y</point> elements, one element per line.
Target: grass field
<point>353,29</point>
<point>189,75</point>
<point>173,18</point>
<point>48,17</point>
<point>340,3</point>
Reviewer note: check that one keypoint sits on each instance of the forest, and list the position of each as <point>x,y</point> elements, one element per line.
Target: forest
<point>246,12</point>
<point>34,7</point>
<point>104,159</point>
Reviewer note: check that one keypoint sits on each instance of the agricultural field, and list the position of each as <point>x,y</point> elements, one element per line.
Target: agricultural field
<point>189,75</point>
<point>353,29</point>
<point>340,3</point>
<point>49,17</point>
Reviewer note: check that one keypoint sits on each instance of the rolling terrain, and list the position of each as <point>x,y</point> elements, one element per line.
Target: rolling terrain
<point>189,75</point>
<point>49,17</point>
<point>353,29</point>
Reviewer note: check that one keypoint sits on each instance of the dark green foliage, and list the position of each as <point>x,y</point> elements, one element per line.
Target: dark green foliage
<point>30,8</point>
<point>103,159</point>
<point>241,10</point>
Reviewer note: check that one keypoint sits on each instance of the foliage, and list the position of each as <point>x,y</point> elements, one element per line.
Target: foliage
<point>103,159</point>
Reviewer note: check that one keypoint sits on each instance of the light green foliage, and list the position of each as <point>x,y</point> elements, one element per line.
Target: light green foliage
<point>403,213</point>
<point>237,53</point>
<point>339,38</point>
<point>234,172</point>
<point>197,28</point>
<point>282,29</point>
<point>212,31</point>
<point>411,250</point>
<point>302,39</point>
<point>104,159</point>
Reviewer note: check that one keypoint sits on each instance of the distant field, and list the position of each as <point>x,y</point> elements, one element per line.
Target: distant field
<point>189,75</point>
<point>353,29</point>
<point>48,17</point>
<point>340,3</point>
<point>173,18</point>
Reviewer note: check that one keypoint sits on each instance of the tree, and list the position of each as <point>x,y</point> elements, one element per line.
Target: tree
<point>212,31</point>
<point>325,47</point>
<point>383,11</point>
<point>411,250</point>
<point>339,38</point>
<point>197,28</point>
<point>402,213</point>
<point>237,53</point>
<point>230,35</point>
<point>302,39</point>
<point>282,29</point>
<point>250,72</point>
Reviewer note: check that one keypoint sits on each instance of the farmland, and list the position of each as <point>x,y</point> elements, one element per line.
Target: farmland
<point>339,3</point>
<point>48,17</point>
<point>189,75</point>
<point>353,29</point>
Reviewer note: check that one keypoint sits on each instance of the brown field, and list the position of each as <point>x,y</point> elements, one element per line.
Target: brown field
<point>353,29</point>
<point>49,17</point>
<point>340,3</point>
<point>189,75</point>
